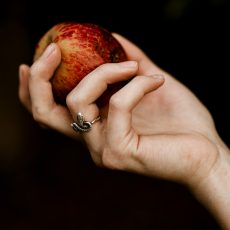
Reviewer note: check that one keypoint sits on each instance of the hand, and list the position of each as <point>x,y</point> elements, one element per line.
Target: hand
<point>154,125</point>
<point>163,132</point>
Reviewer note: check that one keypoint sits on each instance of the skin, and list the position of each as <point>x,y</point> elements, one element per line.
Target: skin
<point>153,126</point>
<point>83,46</point>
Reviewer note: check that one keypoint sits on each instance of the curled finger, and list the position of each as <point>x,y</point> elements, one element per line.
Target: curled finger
<point>121,138</point>
<point>83,100</point>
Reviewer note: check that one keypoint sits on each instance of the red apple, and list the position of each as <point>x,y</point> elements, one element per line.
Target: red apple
<point>84,47</point>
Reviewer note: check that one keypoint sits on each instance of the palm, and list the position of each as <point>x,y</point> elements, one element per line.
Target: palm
<point>170,109</point>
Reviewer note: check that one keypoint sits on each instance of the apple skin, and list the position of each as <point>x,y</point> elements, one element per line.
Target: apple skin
<point>84,47</point>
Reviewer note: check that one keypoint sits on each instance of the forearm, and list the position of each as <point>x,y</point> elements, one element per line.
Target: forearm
<point>214,191</point>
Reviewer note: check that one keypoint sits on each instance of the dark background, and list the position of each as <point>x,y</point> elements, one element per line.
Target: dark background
<point>48,181</point>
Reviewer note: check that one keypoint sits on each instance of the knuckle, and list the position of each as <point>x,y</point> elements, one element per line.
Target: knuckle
<point>74,99</point>
<point>35,68</point>
<point>70,100</point>
<point>38,69</point>
<point>39,115</point>
<point>115,102</point>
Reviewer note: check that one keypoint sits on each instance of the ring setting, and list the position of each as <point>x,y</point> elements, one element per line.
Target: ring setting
<point>83,126</point>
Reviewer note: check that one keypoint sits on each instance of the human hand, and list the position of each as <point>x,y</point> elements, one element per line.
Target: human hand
<point>152,127</point>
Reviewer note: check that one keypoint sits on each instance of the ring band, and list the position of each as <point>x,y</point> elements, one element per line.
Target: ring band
<point>81,125</point>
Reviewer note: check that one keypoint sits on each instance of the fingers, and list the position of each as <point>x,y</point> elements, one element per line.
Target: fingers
<point>83,97</point>
<point>118,127</point>
<point>23,90</point>
<point>97,81</point>
<point>42,105</point>
<point>119,124</point>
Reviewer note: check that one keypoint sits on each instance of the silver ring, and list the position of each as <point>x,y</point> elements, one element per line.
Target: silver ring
<point>81,125</point>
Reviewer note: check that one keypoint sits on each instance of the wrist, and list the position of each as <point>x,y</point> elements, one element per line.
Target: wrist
<point>213,191</point>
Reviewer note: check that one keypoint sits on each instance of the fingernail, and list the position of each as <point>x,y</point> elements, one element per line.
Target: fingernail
<point>49,50</point>
<point>158,76</point>
<point>128,64</point>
